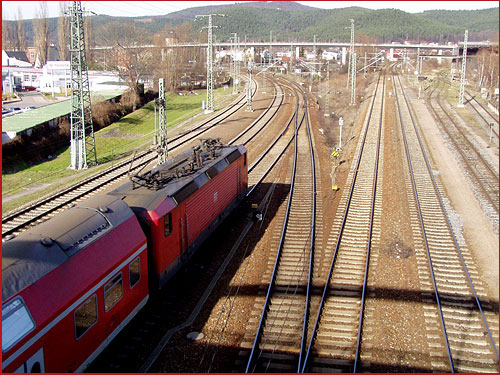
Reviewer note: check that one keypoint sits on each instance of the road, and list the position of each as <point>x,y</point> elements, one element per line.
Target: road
<point>30,98</point>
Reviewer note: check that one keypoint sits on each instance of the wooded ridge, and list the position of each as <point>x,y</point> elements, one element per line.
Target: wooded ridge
<point>293,21</point>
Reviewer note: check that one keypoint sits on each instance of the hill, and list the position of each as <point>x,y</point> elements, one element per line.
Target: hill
<point>293,21</point>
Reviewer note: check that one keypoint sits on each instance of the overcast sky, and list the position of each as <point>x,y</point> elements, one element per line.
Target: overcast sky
<point>147,8</point>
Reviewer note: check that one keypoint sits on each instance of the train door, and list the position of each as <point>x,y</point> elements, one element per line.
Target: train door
<point>35,364</point>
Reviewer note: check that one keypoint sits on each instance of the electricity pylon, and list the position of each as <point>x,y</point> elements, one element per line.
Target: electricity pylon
<point>351,51</point>
<point>162,147</point>
<point>462,78</point>
<point>236,65</point>
<point>83,151</point>
<point>327,95</point>
<point>210,63</point>
<point>249,86</point>
<point>353,80</point>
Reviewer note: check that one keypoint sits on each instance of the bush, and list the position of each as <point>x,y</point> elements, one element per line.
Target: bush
<point>45,141</point>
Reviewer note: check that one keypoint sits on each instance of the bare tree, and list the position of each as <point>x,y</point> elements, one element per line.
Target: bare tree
<point>130,56</point>
<point>10,41</point>
<point>20,31</point>
<point>41,30</point>
<point>174,63</point>
<point>89,38</point>
<point>5,31</point>
<point>63,31</point>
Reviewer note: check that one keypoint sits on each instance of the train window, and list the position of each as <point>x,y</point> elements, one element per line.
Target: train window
<point>85,316</point>
<point>113,292</point>
<point>168,224</point>
<point>245,159</point>
<point>134,272</point>
<point>16,322</point>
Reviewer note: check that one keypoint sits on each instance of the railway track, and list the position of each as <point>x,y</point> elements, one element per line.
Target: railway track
<point>47,207</point>
<point>280,327</point>
<point>138,338</point>
<point>334,340</point>
<point>484,178</point>
<point>486,116</point>
<point>461,322</point>
<point>461,330</point>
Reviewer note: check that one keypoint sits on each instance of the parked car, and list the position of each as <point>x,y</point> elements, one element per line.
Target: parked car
<point>28,108</point>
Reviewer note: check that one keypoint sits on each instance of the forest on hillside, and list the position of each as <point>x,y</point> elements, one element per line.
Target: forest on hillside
<point>293,21</point>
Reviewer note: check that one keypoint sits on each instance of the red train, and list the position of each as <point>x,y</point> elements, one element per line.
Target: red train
<point>71,284</point>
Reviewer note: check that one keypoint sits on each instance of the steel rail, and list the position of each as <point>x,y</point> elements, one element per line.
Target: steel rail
<point>311,248</point>
<point>264,154</point>
<point>166,338</point>
<point>472,168</point>
<point>259,119</point>
<point>108,172</point>
<point>478,303</point>
<point>473,98</point>
<point>462,133</point>
<point>280,248</point>
<point>370,231</point>
<point>337,246</point>
<point>424,234</point>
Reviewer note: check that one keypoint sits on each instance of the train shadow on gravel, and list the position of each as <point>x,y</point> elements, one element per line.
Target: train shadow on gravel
<point>172,306</point>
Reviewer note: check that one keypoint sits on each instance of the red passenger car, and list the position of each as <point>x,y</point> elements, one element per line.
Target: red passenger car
<point>70,285</point>
<point>181,202</point>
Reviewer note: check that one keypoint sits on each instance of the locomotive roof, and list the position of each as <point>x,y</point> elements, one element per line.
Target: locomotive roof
<point>177,178</point>
<point>36,252</point>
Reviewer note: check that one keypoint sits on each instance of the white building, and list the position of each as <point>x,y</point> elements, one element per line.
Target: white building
<point>330,55</point>
<point>310,55</point>
<point>55,77</point>
<point>15,58</point>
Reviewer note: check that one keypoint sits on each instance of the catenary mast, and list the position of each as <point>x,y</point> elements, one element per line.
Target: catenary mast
<point>83,151</point>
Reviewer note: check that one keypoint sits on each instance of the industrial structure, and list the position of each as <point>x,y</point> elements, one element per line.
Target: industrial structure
<point>462,77</point>
<point>162,147</point>
<point>83,151</point>
<point>209,107</point>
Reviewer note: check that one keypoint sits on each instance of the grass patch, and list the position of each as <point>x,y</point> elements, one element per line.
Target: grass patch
<point>134,131</point>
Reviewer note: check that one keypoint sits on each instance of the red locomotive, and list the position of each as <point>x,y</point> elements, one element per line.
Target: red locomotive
<point>71,284</point>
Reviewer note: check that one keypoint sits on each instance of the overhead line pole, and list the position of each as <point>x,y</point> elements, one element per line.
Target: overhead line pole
<point>210,63</point>
<point>462,78</point>
<point>327,95</point>
<point>249,86</point>
<point>351,74</point>
<point>233,57</point>
<point>83,151</point>
<point>270,45</point>
<point>351,51</point>
<point>162,147</point>
<point>237,63</point>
